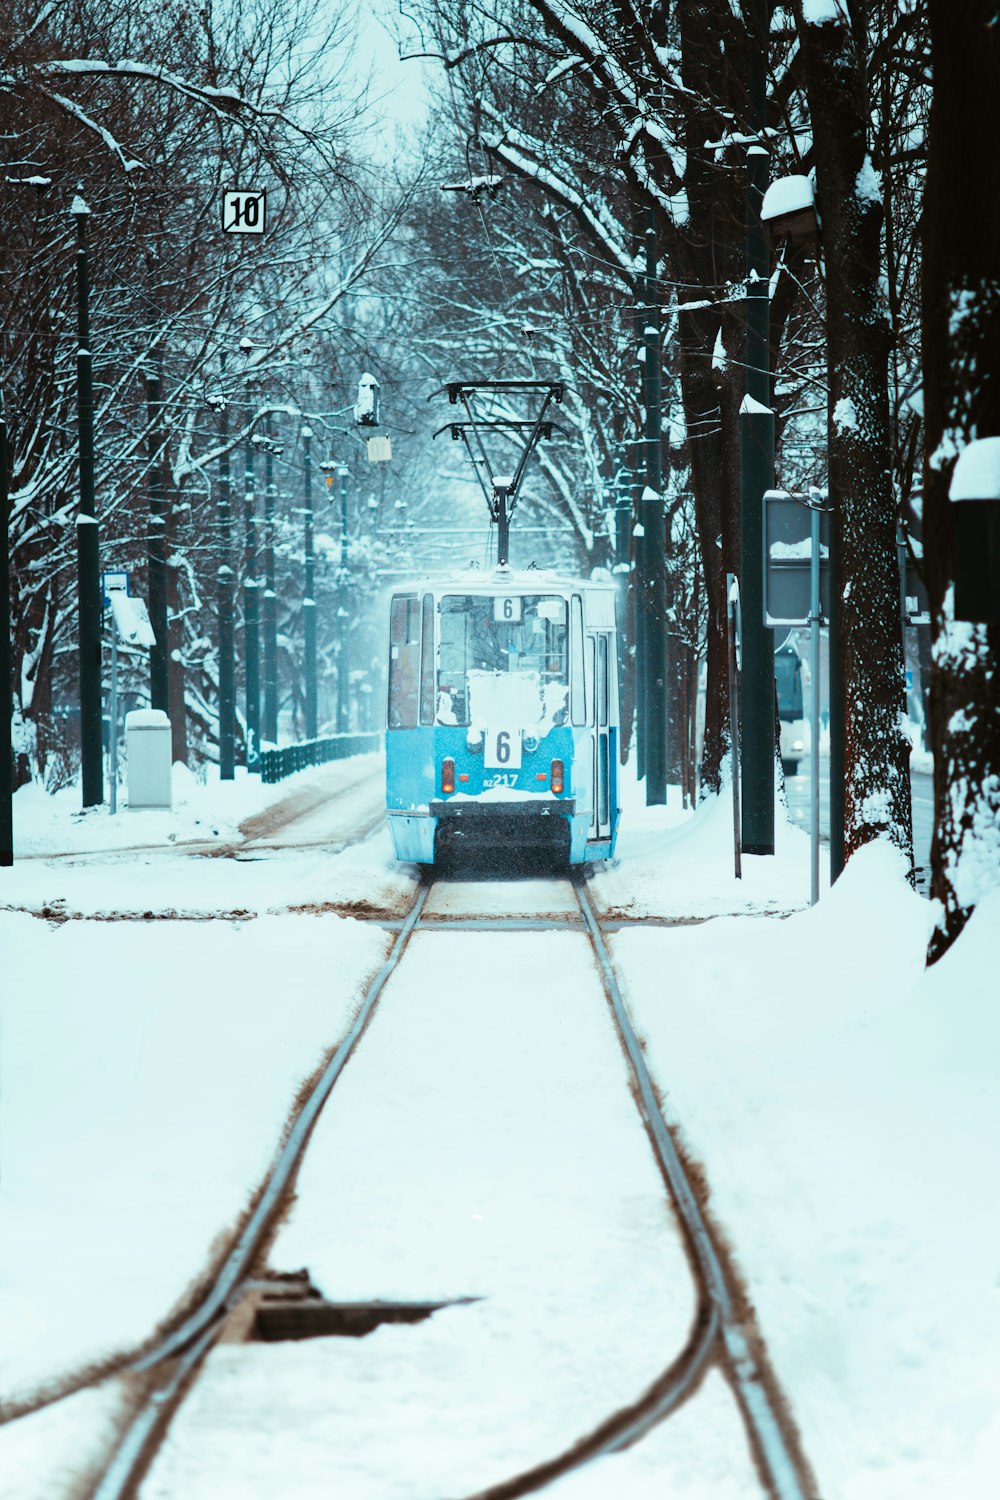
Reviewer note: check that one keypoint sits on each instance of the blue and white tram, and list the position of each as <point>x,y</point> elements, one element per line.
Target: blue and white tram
<point>502,726</point>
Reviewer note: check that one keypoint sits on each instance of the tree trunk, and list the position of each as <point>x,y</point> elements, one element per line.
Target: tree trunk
<point>876,751</point>
<point>961,334</point>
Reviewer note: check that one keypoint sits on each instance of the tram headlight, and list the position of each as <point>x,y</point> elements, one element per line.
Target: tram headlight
<point>556,777</point>
<point>447,775</point>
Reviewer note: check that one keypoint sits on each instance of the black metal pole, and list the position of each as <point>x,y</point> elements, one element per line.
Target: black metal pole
<point>640,574</point>
<point>224,595</point>
<point>343,612</point>
<point>309,601</point>
<point>7,699</point>
<point>503,529</point>
<point>756,476</point>
<point>835,672</point>
<point>159,651</point>
<point>87,542</point>
<point>651,512</point>
<point>270,609</point>
<point>251,618</point>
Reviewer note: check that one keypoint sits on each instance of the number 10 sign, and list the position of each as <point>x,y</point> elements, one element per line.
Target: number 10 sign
<point>244,212</point>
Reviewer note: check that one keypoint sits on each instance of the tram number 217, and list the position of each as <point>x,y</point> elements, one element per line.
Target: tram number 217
<point>502,751</point>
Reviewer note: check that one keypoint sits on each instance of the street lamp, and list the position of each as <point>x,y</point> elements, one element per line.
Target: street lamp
<point>87,548</point>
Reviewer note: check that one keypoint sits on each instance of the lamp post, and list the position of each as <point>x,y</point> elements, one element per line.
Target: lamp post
<point>87,548</point>
<point>309,602</point>
<point>269,726</point>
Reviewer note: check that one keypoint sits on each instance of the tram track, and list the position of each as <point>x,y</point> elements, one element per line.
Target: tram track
<point>722,1331</point>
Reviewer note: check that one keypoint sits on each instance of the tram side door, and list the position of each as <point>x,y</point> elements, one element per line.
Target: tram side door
<point>601,826</point>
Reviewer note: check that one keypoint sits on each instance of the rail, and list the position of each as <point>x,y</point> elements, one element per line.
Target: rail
<point>275,765</point>
<point>722,1329</point>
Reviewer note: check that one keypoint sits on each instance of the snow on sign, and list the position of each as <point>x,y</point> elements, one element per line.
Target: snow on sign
<point>244,211</point>
<point>787,558</point>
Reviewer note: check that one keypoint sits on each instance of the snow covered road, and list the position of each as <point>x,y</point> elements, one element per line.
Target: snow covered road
<point>840,1101</point>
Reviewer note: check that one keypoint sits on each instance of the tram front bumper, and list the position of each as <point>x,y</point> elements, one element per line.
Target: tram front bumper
<point>537,823</point>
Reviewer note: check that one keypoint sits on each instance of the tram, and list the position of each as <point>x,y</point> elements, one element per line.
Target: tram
<point>502,727</point>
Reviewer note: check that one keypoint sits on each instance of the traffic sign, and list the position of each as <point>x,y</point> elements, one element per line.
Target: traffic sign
<point>115,582</point>
<point>787,559</point>
<point>244,211</point>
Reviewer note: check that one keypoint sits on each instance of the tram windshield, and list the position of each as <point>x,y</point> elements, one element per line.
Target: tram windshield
<point>523,637</point>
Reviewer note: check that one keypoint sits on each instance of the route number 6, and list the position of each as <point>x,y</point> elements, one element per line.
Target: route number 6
<point>502,750</point>
<point>507,610</point>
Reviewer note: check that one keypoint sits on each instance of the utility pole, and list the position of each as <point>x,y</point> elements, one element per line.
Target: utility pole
<point>159,652</point>
<point>270,611</point>
<point>309,602</point>
<point>6,700</point>
<point>640,573</point>
<point>756,476</point>
<point>251,617</point>
<point>654,540</point>
<point>224,596</point>
<point>343,674</point>
<point>87,545</point>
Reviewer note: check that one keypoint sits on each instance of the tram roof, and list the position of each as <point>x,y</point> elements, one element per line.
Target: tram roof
<point>504,580</point>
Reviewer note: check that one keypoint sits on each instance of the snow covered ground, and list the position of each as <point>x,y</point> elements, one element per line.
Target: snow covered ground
<point>842,1101</point>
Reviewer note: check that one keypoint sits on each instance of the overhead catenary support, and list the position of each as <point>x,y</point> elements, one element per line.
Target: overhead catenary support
<point>269,725</point>
<point>654,663</point>
<point>756,476</point>
<point>87,541</point>
<point>224,599</point>
<point>343,612</point>
<point>499,489</point>
<point>309,602</point>
<point>6,695</point>
<point>251,616</point>
<point>159,651</point>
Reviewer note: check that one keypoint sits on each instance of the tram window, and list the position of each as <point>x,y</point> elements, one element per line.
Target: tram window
<point>588,677</point>
<point>602,680</point>
<point>427,694</point>
<point>404,661</point>
<point>577,693</point>
<point>475,637</point>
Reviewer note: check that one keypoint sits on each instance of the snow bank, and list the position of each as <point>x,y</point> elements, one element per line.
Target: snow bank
<point>127,1056</point>
<point>844,1104</point>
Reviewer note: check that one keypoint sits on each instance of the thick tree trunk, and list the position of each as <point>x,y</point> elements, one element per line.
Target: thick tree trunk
<point>876,751</point>
<point>961,332</point>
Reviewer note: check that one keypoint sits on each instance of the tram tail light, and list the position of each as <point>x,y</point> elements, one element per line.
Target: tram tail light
<point>556,777</point>
<point>448,774</point>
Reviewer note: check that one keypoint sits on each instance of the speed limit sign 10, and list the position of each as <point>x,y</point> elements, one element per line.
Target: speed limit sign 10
<point>502,750</point>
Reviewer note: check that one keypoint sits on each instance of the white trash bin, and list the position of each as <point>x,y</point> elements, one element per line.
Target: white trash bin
<point>147,738</point>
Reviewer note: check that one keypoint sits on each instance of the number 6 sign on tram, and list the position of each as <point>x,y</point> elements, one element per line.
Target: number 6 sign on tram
<point>502,750</point>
